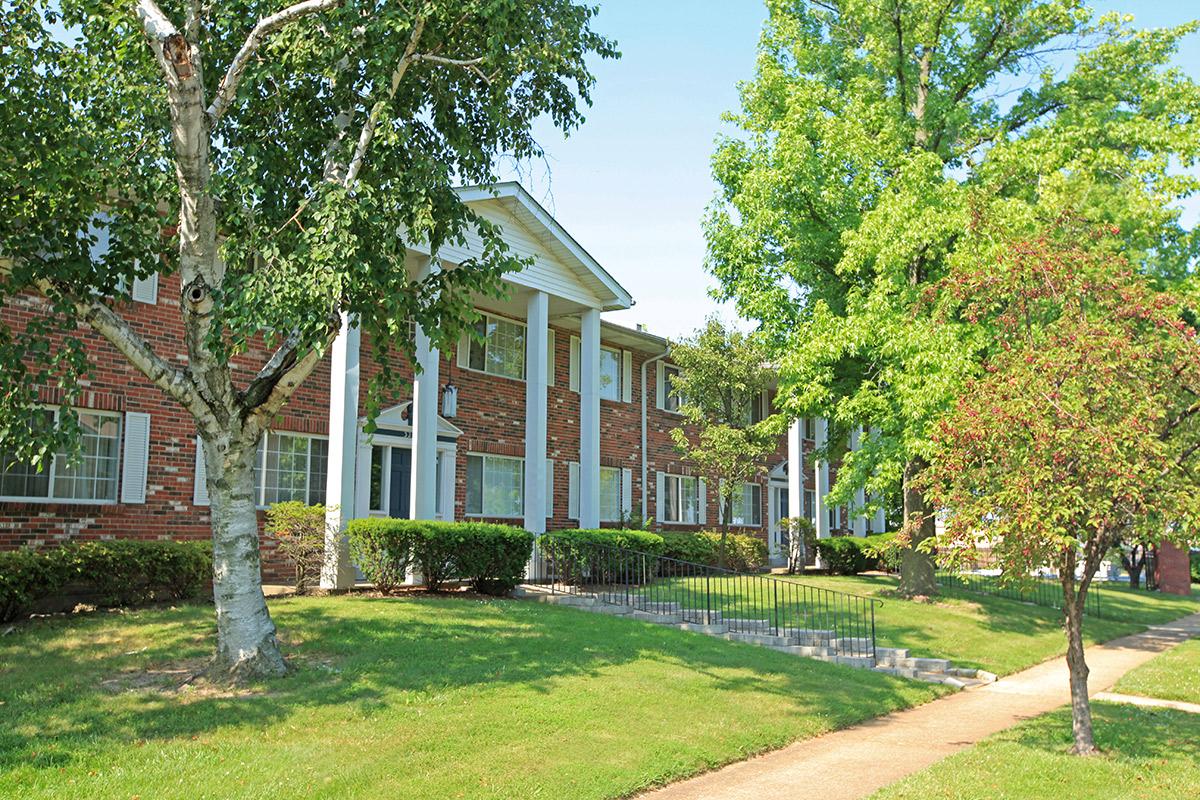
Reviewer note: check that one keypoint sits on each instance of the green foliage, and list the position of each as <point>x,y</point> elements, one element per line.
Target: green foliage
<point>1195,562</point>
<point>845,555</point>
<point>871,139</point>
<point>119,572</point>
<point>492,557</point>
<point>723,373</point>
<point>802,542</point>
<point>299,533</point>
<point>743,553</point>
<point>25,577</point>
<point>885,548</point>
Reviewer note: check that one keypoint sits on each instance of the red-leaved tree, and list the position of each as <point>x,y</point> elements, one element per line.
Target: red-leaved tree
<point>1082,430</point>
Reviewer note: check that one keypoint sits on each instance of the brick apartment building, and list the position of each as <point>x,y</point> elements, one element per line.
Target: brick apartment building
<point>558,419</point>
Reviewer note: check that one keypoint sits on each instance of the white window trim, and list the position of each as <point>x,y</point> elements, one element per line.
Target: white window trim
<point>662,389</point>
<point>261,489</point>
<point>481,514</point>
<point>50,498</point>
<point>468,340</point>
<point>701,500</point>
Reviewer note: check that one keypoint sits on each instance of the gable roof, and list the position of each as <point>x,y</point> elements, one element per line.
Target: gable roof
<point>551,236</point>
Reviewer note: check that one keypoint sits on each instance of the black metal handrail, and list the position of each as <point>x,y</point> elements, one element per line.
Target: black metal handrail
<point>1038,591</point>
<point>826,621</point>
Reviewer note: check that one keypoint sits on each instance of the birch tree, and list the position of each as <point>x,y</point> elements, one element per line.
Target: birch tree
<point>279,158</point>
<point>872,135</point>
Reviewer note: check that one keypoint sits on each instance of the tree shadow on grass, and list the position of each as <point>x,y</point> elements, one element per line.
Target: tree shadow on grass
<point>1121,730</point>
<point>372,654</point>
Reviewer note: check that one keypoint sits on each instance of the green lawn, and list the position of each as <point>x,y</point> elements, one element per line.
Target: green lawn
<point>1173,675</point>
<point>417,697</point>
<point>972,630</point>
<point>1147,753</point>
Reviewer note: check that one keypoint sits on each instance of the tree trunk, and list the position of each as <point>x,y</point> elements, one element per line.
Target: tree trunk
<point>1081,708</point>
<point>246,644</point>
<point>917,567</point>
<point>726,513</point>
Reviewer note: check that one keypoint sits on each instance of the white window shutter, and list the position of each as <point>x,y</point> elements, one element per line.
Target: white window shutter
<point>661,398</point>
<point>574,364</point>
<point>136,457</point>
<point>550,357</point>
<point>702,502</point>
<point>145,290</point>
<point>660,497</point>
<point>573,490</point>
<point>549,488</point>
<point>200,490</point>
<point>626,492</point>
<point>627,376</point>
<point>464,350</point>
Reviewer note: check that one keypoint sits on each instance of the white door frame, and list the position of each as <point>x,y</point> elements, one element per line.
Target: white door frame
<point>774,543</point>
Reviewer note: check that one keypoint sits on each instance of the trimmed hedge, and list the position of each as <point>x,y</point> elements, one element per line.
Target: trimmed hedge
<point>746,553</point>
<point>492,557</point>
<point>844,555</point>
<point>119,572</point>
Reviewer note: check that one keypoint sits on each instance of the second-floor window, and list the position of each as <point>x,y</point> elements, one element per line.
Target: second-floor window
<point>610,374</point>
<point>502,351</point>
<point>671,399</point>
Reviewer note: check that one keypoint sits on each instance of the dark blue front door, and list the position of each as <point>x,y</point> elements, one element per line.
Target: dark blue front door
<point>400,482</point>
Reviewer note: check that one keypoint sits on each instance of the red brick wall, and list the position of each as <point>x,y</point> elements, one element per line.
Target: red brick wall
<point>490,413</point>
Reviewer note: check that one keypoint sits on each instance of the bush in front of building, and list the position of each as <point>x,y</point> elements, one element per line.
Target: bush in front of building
<point>491,557</point>
<point>298,531</point>
<point>844,555</point>
<point>746,553</point>
<point>121,572</point>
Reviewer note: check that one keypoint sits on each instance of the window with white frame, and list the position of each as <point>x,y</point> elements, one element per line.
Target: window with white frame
<point>610,374</point>
<point>682,499</point>
<point>610,494</point>
<point>91,478</point>
<point>502,351</point>
<point>495,486</point>
<point>671,399</point>
<point>292,467</point>
<point>747,506</point>
<point>810,506</point>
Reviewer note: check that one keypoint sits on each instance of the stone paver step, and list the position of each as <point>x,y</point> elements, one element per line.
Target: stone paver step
<point>939,665</point>
<point>650,616</point>
<point>765,639</point>
<point>804,650</point>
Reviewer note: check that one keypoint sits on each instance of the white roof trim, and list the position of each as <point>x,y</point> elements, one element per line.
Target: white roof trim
<point>394,419</point>
<point>514,192</point>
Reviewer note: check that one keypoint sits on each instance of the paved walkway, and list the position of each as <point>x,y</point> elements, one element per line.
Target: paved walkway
<point>1148,702</point>
<point>854,762</point>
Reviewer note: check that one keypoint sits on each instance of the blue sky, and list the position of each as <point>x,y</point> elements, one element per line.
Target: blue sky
<point>631,185</point>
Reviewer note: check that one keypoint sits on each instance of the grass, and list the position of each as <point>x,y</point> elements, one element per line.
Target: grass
<point>973,630</point>
<point>417,697</point>
<point>1173,675</point>
<point>1147,753</point>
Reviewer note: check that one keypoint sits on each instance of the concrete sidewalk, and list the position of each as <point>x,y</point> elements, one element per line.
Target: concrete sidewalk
<point>854,762</point>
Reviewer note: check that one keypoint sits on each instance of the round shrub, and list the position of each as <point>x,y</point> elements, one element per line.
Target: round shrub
<point>843,555</point>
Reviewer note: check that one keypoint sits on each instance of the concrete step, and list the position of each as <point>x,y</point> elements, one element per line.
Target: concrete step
<point>765,639</point>
<point>855,644</point>
<point>614,609</point>
<point>650,616</point>
<point>809,635</point>
<point>701,616</point>
<point>717,629</point>
<point>656,606</point>
<point>938,665</point>
<point>891,652</point>
<point>804,650</point>
<point>750,625</point>
<point>862,662</point>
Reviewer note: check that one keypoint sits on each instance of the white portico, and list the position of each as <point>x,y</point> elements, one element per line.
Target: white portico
<point>417,445</point>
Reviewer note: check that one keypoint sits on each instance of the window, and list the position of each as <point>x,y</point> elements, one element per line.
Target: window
<point>810,506</point>
<point>835,517</point>
<point>610,494</point>
<point>610,374</point>
<point>292,467</point>
<point>682,499</point>
<point>670,398</point>
<point>810,428</point>
<point>502,351</point>
<point>747,506</point>
<point>750,410</point>
<point>93,478</point>
<point>495,486</point>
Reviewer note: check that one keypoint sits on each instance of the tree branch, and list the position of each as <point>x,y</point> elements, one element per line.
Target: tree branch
<point>278,379</point>
<point>266,26</point>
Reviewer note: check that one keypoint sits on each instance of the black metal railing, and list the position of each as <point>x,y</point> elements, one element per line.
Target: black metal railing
<point>1038,591</point>
<point>825,621</point>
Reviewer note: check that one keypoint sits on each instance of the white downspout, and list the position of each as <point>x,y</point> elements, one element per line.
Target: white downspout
<point>647,362</point>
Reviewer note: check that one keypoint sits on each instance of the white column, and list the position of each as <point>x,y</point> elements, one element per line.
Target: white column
<point>822,470</point>
<point>589,419</point>
<point>337,571</point>
<point>795,455</point>
<point>880,523</point>
<point>858,522</point>
<point>424,419</point>
<point>536,372</point>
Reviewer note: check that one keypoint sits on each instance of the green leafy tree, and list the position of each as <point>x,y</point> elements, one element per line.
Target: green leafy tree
<point>1082,431</point>
<point>280,159</point>
<point>723,374</point>
<point>872,135</point>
